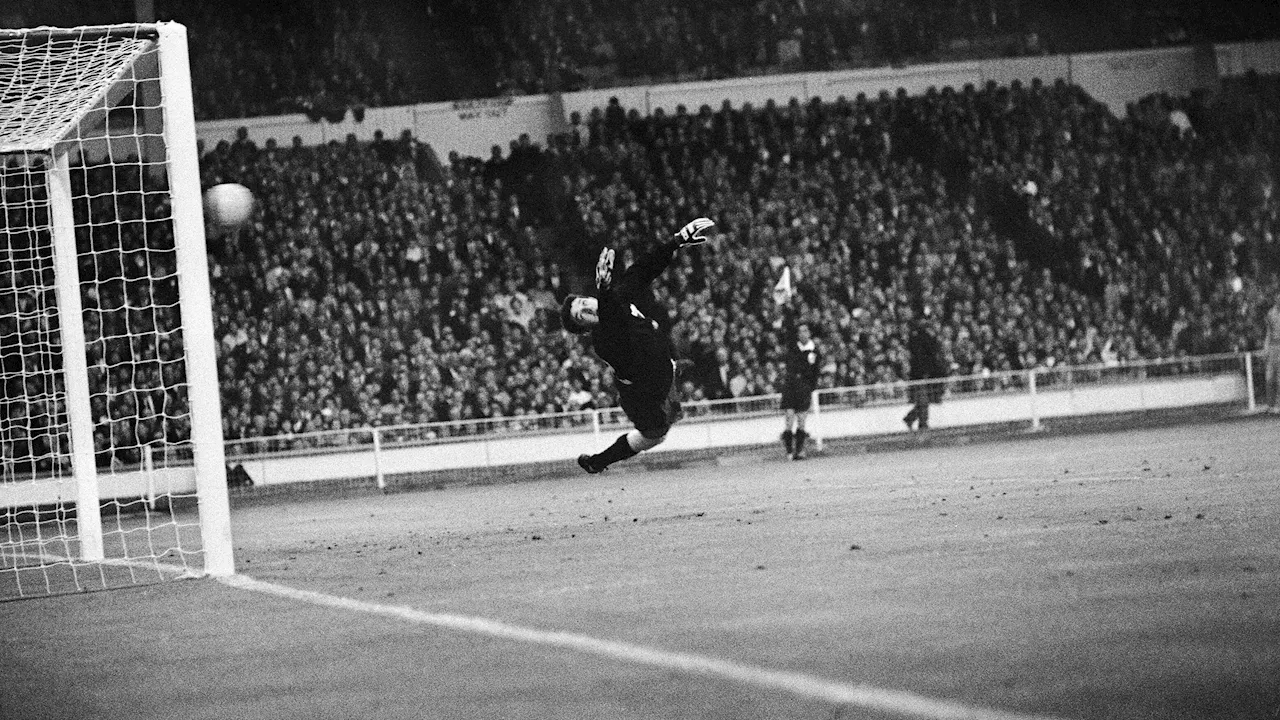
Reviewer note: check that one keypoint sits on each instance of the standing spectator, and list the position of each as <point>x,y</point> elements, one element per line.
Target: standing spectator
<point>520,311</point>
<point>803,362</point>
<point>927,364</point>
<point>1271,355</point>
<point>717,376</point>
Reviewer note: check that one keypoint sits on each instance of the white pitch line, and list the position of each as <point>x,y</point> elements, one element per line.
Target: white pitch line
<point>896,702</point>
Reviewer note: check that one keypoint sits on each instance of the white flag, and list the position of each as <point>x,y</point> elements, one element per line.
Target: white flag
<point>782,291</point>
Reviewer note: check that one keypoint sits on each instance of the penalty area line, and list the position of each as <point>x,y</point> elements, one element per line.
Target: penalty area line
<point>896,702</point>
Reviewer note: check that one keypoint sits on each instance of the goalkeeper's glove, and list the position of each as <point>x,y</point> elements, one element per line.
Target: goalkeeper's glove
<point>695,233</point>
<point>604,269</point>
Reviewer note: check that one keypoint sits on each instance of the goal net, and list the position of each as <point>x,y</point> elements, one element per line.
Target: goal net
<point>111,457</point>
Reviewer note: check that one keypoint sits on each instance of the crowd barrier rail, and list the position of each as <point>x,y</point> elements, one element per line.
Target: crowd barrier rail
<point>1026,398</point>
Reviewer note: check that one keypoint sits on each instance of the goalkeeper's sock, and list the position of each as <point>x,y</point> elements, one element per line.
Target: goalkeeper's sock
<point>787,439</point>
<point>801,436</point>
<point>619,450</point>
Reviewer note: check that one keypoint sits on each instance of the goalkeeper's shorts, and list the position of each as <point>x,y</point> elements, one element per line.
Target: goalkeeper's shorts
<point>653,410</point>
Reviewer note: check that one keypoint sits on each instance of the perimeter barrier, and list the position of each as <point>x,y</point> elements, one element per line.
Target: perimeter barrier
<point>463,450</point>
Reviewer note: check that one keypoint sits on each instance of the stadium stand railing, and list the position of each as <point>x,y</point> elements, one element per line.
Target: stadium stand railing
<point>479,450</point>
<point>1025,397</point>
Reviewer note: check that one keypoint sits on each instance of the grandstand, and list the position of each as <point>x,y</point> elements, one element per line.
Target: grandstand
<point>388,274</point>
<point>1097,251</point>
<point>1068,278</point>
<point>1045,231</point>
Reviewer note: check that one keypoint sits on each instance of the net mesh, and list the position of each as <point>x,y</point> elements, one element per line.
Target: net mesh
<point>87,100</point>
<point>49,80</point>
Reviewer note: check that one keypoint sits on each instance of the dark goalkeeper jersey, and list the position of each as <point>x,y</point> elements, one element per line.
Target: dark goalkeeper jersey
<point>632,335</point>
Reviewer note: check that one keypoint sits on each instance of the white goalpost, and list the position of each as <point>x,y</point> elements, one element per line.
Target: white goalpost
<point>111,458</point>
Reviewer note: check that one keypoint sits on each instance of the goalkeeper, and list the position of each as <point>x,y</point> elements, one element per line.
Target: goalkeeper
<point>622,320</point>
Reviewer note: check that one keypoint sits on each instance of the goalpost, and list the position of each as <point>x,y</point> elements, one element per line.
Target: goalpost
<point>111,457</point>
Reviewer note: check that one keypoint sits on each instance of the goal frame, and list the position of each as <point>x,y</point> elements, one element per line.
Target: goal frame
<point>170,64</point>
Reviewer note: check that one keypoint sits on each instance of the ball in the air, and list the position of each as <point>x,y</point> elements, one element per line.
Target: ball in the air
<point>228,204</point>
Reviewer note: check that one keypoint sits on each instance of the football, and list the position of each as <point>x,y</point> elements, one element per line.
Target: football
<point>228,205</point>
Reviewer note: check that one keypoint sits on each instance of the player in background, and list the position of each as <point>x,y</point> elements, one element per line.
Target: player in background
<point>1271,356</point>
<point>927,363</point>
<point>802,365</point>
<point>623,322</point>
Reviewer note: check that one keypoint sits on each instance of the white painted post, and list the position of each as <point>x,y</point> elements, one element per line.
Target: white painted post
<point>817,411</point>
<point>75,371</point>
<point>1035,408</point>
<point>377,460</point>
<point>1248,381</point>
<point>148,470</point>
<point>1142,388</point>
<point>196,305</point>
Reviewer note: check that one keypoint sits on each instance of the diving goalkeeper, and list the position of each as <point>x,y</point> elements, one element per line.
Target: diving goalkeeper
<point>623,322</point>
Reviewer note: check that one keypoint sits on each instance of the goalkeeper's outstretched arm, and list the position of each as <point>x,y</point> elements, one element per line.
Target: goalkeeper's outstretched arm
<point>695,232</point>
<point>652,264</point>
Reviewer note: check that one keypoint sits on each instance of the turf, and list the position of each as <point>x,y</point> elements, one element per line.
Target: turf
<point>1126,574</point>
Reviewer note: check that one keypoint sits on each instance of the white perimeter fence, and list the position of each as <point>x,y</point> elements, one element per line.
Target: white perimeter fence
<point>1028,397</point>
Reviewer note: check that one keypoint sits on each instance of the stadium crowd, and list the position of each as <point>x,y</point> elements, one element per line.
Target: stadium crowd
<point>393,50</point>
<point>326,58</point>
<point>379,285</point>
